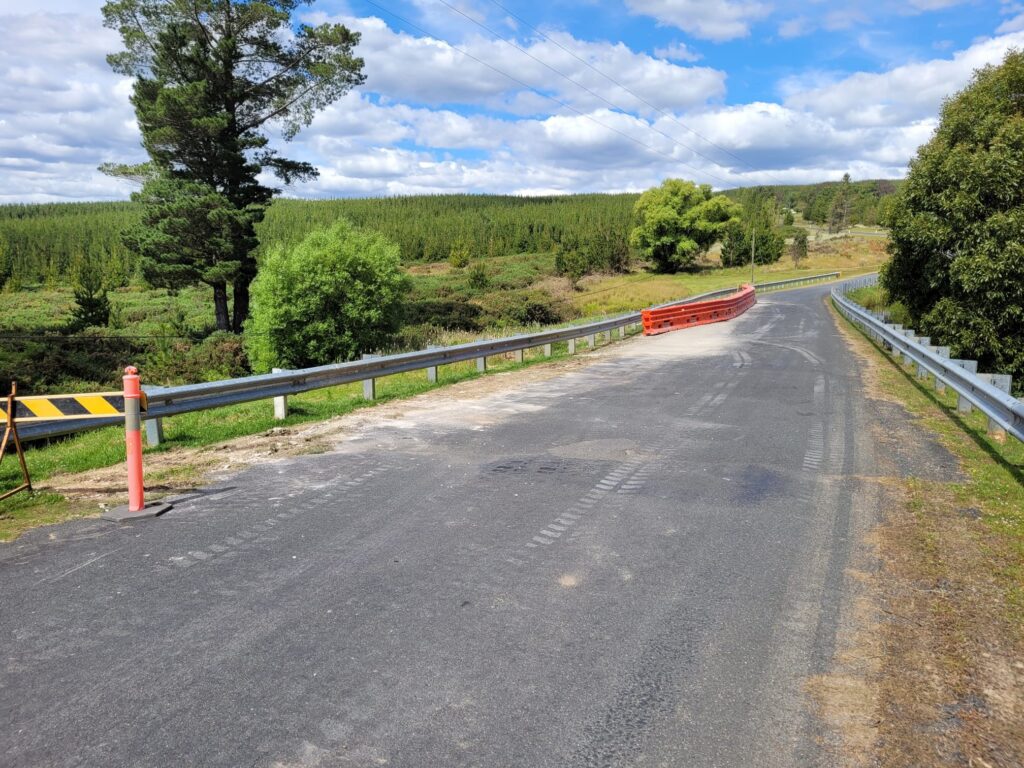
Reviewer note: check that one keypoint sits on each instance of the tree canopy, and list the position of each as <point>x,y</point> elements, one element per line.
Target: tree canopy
<point>210,77</point>
<point>957,224</point>
<point>678,222</point>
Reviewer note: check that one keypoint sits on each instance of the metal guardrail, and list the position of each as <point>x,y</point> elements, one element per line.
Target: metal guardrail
<point>171,401</point>
<point>1000,407</point>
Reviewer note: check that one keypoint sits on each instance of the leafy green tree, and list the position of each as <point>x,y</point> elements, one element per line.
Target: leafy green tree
<point>572,265</point>
<point>756,223</point>
<point>957,224</point>
<point>788,218</point>
<point>210,77</point>
<point>335,295</point>
<point>678,222</point>
<point>839,213</point>
<point>799,248</point>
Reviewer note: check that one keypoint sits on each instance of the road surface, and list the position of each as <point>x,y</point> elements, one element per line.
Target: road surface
<point>639,562</point>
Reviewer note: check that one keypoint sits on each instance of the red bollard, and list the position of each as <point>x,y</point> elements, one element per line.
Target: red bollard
<point>137,507</point>
<point>133,439</point>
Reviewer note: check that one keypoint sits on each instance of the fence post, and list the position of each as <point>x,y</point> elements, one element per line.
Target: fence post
<point>280,402</point>
<point>1002,382</point>
<point>963,405</point>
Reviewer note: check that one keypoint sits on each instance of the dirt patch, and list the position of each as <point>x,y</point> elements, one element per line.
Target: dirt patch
<point>931,671</point>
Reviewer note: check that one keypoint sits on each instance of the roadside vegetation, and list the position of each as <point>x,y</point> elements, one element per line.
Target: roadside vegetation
<point>948,593</point>
<point>958,226</point>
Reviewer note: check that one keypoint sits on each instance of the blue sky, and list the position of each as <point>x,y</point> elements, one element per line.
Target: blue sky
<point>609,96</point>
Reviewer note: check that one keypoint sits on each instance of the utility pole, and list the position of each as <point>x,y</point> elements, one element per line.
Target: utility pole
<point>753,239</point>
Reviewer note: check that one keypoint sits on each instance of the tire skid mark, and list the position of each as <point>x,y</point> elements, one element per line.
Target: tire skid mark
<point>243,539</point>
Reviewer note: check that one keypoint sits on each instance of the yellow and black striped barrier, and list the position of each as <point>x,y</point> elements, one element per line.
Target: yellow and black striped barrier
<point>56,407</point>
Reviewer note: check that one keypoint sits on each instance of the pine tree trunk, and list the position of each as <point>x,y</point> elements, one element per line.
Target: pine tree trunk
<point>220,306</point>
<point>246,274</point>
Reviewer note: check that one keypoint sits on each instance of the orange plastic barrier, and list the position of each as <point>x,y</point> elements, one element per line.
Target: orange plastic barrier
<point>679,316</point>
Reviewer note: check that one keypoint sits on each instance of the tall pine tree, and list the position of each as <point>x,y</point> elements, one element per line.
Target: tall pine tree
<point>211,76</point>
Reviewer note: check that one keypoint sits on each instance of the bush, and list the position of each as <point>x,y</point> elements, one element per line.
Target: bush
<point>219,356</point>
<point>524,308</point>
<point>335,295</point>
<point>477,277</point>
<point>768,245</point>
<point>450,315</point>
<point>573,265</point>
<point>459,256</point>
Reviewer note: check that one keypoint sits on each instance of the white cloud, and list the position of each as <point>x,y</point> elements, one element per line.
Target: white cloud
<point>902,95</point>
<point>677,52</point>
<point>719,20</point>
<point>1016,24</point>
<point>430,120</point>
<point>795,27</point>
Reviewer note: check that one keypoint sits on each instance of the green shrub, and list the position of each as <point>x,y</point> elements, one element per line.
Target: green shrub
<point>573,265</point>
<point>459,256</point>
<point>450,315</point>
<point>478,277</point>
<point>524,308</point>
<point>179,361</point>
<point>335,295</point>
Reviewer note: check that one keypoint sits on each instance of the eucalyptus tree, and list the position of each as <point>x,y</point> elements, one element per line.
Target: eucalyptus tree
<point>212,79</point>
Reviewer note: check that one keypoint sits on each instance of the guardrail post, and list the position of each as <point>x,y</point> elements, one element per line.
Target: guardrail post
<point>963,405</point>
<point>432,369</point>
<point>280,402</point>
<point>622,331</point>
<point>572,346</point>
<point>924,341</point>
<point>519,356</point>
<point>940,385</point>
<point>369,385</point>
<point>481,365</point>
<point>547,350</point>
<point>1002,382</point>
<point>592,340</point>
<point>154,432</point>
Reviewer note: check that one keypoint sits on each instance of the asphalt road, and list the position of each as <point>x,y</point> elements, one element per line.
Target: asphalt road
<point>639,562</point>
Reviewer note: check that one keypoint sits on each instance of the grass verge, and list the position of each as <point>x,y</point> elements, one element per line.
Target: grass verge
<point>949,592</point>
<point>105,447</point>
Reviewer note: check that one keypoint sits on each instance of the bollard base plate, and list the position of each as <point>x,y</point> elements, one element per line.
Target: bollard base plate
<point>121,514</point>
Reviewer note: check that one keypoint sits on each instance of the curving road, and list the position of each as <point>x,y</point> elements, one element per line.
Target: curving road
<point>638,562</point>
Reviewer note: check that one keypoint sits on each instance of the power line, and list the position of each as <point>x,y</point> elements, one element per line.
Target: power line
<point>635,95</point>
<point>576,82</point>
<point>558,101</point>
